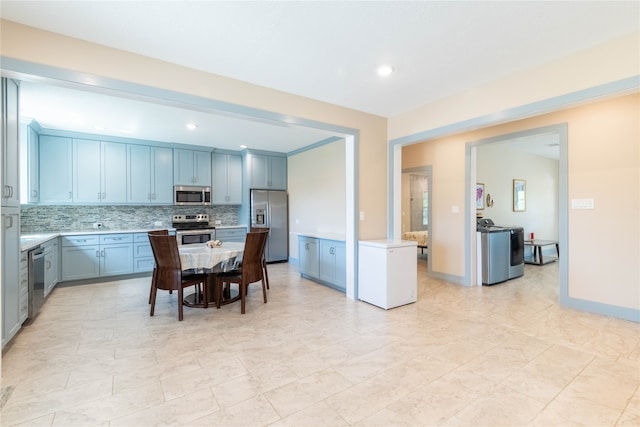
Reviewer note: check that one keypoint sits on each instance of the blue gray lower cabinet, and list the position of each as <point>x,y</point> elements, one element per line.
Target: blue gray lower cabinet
<point>89,256</point>
<point>231,234</point>
<point>323,261</point>
<point>142,256</point>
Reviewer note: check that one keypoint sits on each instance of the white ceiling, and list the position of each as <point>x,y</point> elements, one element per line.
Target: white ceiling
<point>328,50</point>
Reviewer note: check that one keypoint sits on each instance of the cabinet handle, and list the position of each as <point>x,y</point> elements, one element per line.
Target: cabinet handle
<point>104,195</point>
<point>70,195</point>
<point>102,253</point>
<point>98,254</point>
<point>34,193</point>
<point>10,222</point>
<point>48,263</point>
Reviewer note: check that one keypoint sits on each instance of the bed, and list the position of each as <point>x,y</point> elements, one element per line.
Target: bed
<point>420,237</point>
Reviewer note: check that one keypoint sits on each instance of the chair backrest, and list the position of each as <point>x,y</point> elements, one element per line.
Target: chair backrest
<point>168,265</point>
<point>158,233</point>
<point>261,230</point>
<point>252,257</point>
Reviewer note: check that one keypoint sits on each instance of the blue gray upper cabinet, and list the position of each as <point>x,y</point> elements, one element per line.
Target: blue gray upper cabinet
<point>267,172</point>
<point>191,167</point>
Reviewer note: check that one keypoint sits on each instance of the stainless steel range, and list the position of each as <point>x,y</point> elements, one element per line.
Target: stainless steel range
<point>193,228</point>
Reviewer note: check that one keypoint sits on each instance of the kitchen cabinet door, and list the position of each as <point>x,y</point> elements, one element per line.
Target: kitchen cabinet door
<point>139,174</point>
<point>10,222</point>
<point>24,286</point>
<point>227,179</point>
<point>56,174</point>
<point>99,171</point>
<point>86,171</point>
<point>308,257</point>
<point>80,262</point>
<point>191,167</point>
<point>10,143</point>
<point>50,266</point>
<point>333,263</point>
<point>28,164</point>
<point>116,254</point>
<point>267,172</point>
<point>113,165</point>
<point>150,175</point>
<point>162,176</point>
<point>116,259</point>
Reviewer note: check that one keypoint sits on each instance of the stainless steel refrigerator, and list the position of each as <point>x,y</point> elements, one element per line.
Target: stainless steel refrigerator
<point>269,210</point>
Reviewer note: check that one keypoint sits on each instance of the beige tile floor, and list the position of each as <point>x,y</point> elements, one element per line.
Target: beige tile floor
<point>505,355</point>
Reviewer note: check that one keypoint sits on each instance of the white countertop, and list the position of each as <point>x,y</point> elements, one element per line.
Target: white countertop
<point>388,243</point>
<point>323,235</point>
<point>31,240</point>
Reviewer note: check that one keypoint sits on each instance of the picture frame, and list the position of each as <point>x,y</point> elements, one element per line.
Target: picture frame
<point>480,196</point>
<point>519,195</point>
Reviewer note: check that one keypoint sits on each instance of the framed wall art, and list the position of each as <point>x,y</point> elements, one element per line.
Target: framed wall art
<point>519,195</point>
<point>479,196</point>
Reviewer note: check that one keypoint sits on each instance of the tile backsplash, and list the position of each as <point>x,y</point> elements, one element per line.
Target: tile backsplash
<point>38,219</point>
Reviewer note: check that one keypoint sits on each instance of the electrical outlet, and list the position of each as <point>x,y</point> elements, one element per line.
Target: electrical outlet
<point>97,225</point>
<point>218,222</point>
<point>158,223</point>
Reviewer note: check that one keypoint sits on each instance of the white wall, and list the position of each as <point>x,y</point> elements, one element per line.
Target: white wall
<point>317,193</point>
<point>497,166</point>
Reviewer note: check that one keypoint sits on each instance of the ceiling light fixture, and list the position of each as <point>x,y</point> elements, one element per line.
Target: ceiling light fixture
<point>243,146</point>
<point>385,70</point>
<point>191,126</point>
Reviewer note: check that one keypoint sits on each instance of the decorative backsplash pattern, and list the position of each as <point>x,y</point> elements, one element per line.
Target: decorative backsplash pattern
<point>39,219</point>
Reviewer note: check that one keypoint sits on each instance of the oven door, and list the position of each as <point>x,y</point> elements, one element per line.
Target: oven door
<point>194,236</point>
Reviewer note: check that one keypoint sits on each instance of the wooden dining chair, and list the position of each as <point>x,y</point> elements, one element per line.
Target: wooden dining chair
<point>264,252</point>
<point>153,274</point>
<point>251,270</point>
<point>169,275</point>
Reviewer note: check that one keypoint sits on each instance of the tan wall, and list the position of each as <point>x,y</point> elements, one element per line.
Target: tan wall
<point>604,164</point>
<point>610,62</point>
<point>317,193</point>
<point>41,47</point>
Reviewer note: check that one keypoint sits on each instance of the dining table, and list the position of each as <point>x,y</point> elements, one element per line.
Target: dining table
<point>201,258</point>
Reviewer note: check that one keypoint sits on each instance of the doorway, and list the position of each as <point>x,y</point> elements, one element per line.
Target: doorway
<point>538,157</point>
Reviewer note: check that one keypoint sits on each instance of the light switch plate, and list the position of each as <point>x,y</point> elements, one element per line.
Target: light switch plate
<point>582,204</point>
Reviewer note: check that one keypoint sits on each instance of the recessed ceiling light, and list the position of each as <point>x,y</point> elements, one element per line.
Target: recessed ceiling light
<point>385,70</point>
<point>243,146</point>
<point>191,126</point>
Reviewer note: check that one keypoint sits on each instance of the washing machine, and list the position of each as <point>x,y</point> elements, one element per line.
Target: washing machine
<point>516,251</point>
<point>496,251</point>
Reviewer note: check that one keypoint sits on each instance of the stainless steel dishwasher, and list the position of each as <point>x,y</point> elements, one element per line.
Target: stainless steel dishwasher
<point>36,281</point>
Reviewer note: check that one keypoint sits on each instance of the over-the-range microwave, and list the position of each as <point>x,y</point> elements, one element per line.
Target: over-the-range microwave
<point>191,195</point>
